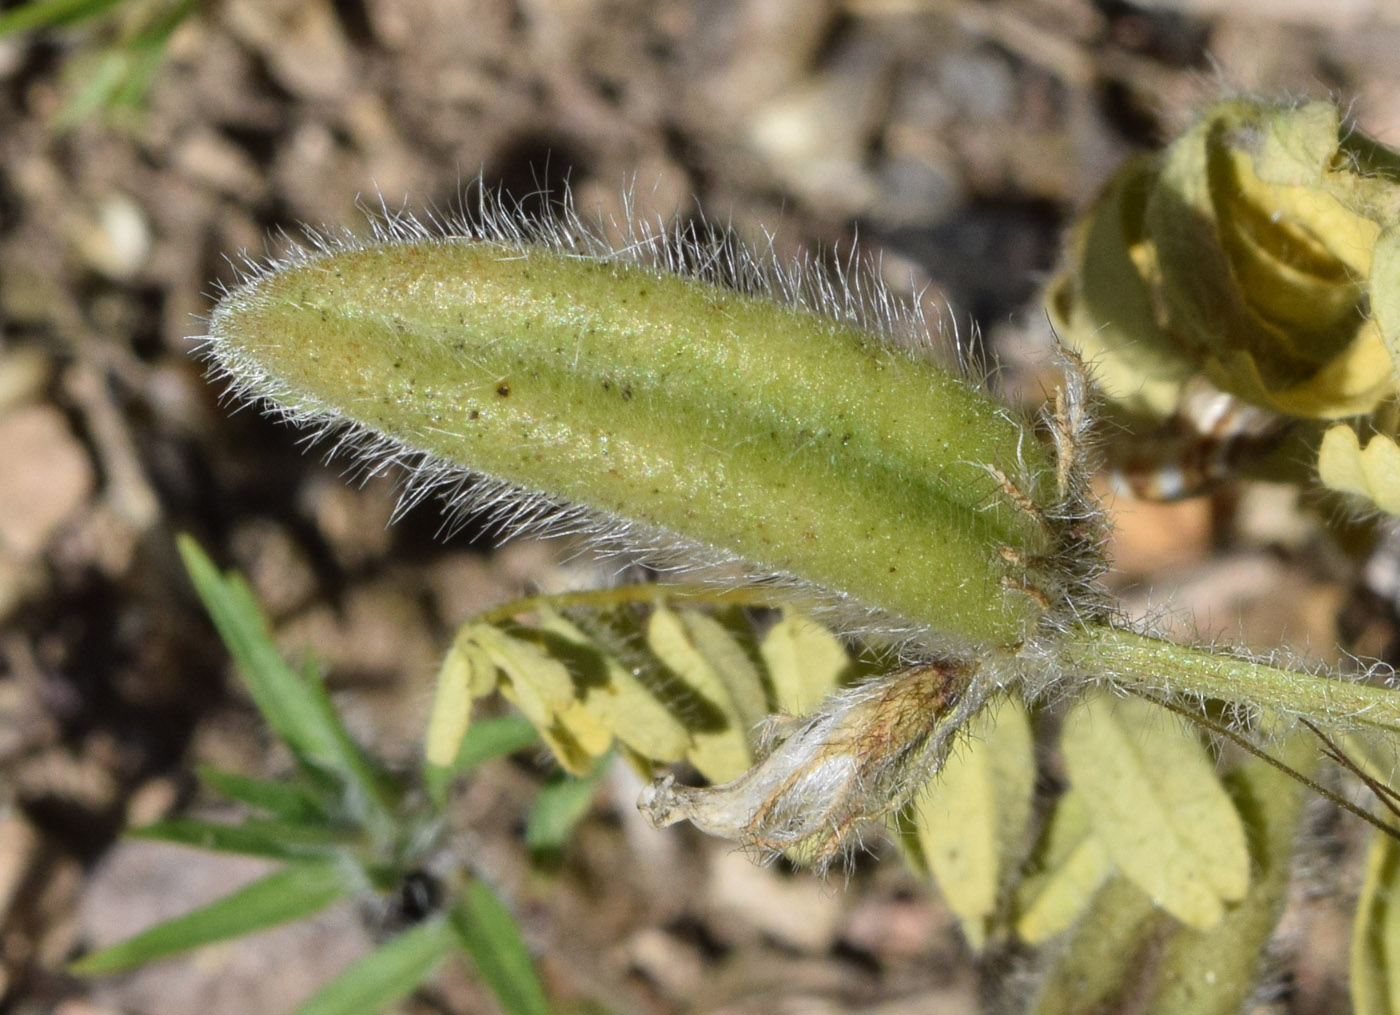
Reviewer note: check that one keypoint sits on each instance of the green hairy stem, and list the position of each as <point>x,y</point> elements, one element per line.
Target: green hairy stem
<point>794,441</point>
<point>1154,666</point>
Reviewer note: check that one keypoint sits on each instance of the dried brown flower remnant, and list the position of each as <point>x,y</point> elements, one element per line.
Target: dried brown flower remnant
<point>865,753</point>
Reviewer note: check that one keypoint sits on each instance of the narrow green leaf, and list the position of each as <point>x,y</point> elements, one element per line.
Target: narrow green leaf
<point>559,807</point>
<point>98,76</point>
<point>1375,940</point>
<point>1154,800</point>
<point>298,710</point>
<point>292,893</point>
<point>489,934</point>
<point>52,14</point>
<point>285,800</point>
<point>493,738</point>
<point>387,974</point>
<point>276,840</point>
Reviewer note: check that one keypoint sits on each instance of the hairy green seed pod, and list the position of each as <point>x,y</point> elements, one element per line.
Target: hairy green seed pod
<point>627,397</point>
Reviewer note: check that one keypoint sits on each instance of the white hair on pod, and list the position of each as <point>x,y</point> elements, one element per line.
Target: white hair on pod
<point>849,290</point>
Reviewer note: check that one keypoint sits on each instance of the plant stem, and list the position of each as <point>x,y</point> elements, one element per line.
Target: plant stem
<point>1140,662</point>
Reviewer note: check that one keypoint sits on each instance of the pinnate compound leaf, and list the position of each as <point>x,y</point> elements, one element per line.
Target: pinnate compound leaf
<point>1372,473</point>
<point>1073,866</point>
<point>1154,800</point>
<point>972,818</point>
<point>387,974</point>
<point>663,685</point>
<point>292,893</point>
<point>616,698</point>
<point>488,932</point>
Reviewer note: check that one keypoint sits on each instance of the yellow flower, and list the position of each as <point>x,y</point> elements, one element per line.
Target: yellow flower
<point>1259,249</point>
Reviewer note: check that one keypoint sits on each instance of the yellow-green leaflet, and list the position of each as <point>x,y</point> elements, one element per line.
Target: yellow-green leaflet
<point>1385,290</point>
<point>543,689</point>
<point>1214,972</point>
<point>465,675</point>
<point>618,700</point>
<point>1372,473</point>
<point>1375,936</point>
<point>805,663</point>
<point>971,820</point>
<point>1154,799</point>
<point>702,640</point>
<point>691,645</point>
<point>636,402</point>
<point>1073,866</point>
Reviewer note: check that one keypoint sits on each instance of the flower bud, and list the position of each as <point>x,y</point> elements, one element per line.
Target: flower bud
<point>1259,249</point>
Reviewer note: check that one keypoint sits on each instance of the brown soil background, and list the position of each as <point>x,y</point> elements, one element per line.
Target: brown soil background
<point>952,138</point>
